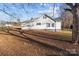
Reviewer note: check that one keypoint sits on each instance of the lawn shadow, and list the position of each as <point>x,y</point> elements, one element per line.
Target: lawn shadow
<point>5,33</point>
<point>24,38</point>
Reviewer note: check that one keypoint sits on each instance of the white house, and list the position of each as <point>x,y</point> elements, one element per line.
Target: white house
<point>43,22</point>
<point>8,25</point>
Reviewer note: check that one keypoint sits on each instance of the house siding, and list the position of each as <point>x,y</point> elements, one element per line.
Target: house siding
<point>43,25</point>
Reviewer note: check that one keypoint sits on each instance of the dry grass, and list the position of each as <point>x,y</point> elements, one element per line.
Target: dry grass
<point>13,45</point>
<point>62,35</point>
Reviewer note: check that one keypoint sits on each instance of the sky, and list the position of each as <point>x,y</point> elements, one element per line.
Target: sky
<point>25,11</point>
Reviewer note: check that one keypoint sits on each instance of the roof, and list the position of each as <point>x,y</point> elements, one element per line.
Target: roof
<point>55,19</point>
<point>49,17</point>
<point>58,19</point>
<point>33,19</point>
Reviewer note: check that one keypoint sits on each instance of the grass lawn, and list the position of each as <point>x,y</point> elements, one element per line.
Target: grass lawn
<point>13,45</point>
<point>62,35</point>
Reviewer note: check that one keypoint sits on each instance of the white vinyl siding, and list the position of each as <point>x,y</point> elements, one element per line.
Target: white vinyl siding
<point>43,23</point>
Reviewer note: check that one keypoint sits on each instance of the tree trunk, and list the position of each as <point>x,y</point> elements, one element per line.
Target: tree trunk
<point>75,34</point>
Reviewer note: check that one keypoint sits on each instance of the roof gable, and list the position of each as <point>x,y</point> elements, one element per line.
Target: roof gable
<point>49,17</point>
<point>33,19</point>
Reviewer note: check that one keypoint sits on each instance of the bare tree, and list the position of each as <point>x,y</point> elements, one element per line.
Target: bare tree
<point>12,15</point>
<point>7,13</point>
<point>75,31</point>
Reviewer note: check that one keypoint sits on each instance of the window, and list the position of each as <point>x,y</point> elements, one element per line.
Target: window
<point>48,24</point>
<point>38,24</point>
<point>28,25</point>
<point>52,24</point>
<point>44,17</point>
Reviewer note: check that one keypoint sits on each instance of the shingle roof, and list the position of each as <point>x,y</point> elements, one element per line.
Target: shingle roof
<point>33,19</point>
<point>50,17</point>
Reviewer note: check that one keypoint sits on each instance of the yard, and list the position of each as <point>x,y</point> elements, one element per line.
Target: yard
<point>62,35</point>
<point>14,45</point>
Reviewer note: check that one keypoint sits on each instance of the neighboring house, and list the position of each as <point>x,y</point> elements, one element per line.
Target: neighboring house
<point>8,25</point>
<point>43,22</point>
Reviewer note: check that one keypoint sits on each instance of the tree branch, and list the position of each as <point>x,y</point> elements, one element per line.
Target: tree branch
<point>7,13</point>
<point>68,10</point>
<point>76,5</point>
<point>70,5</point>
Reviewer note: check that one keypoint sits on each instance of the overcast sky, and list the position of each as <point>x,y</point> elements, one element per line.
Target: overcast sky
<point>26,11</point>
